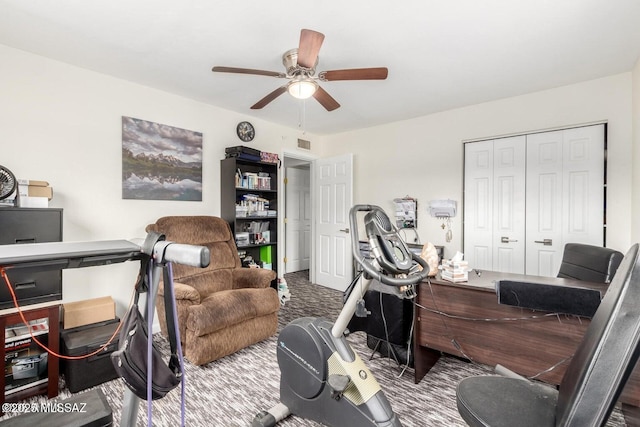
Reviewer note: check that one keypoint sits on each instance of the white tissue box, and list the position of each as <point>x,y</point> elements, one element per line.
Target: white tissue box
<point>455,271</point>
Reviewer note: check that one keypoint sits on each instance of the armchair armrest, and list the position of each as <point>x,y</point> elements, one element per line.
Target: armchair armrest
<point>183,292</point>
<point>252,277</point>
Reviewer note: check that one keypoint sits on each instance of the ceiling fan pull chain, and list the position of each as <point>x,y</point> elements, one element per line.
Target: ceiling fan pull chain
<point>302,112</point>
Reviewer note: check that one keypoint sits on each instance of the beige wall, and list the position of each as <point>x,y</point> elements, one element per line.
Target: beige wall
<point>423,157</point>
<point>62,124</point>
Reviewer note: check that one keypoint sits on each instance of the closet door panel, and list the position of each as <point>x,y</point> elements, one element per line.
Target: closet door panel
<point>583,169</point>
<point>478,216</point>
<point>509,156</point>
<point>544,203</point>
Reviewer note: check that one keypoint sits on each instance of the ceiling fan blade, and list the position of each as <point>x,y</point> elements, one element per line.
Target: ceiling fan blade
<point>267,99</point>
<point>326,100</point>
<point>310,43</point>
<point>247,71</point>
<point>379,73</point>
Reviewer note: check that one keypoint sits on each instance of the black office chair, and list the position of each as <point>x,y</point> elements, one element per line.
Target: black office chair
<point>592,382</point>
<point>590,263</point>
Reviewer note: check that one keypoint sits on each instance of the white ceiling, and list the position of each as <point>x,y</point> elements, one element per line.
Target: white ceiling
<point>440,54</point>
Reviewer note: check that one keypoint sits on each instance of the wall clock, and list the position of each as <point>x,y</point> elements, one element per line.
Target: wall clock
<point>245,131</point>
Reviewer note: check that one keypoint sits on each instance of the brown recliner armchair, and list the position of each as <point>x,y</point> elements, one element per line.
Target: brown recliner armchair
<point>224,307</point>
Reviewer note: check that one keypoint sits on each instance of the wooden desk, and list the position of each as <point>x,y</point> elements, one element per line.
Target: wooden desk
<point>528,346</point>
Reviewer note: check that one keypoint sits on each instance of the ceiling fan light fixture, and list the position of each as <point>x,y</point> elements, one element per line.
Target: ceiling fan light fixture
<point>302,88</point>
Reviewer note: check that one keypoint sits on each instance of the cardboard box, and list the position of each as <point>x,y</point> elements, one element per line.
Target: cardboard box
<point>35,191</point>
<point>33,182</point>
<point>89,311</point>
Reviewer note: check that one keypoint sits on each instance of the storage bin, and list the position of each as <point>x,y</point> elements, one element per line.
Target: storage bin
<point>88,372</point>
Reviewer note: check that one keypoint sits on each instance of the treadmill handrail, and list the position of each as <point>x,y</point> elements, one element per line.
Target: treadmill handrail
<point>64,255</point>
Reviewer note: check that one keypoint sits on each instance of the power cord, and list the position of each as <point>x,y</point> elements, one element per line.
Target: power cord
<point>37,341</point>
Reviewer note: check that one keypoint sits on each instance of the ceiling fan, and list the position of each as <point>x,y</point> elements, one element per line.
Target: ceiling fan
<point>300,65</point>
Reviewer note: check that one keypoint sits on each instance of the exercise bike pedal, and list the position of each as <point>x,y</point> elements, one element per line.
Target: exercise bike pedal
<point>271,417</point>
<point>361,309</point>
<point>338,384</point>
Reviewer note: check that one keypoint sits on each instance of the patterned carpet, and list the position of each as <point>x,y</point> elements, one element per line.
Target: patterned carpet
<point>230,391</point>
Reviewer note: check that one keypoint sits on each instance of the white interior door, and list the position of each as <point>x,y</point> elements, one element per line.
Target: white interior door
<point>333,186</point>
<point>298,219</point>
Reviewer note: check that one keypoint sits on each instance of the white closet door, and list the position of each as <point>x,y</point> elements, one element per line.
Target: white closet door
<point>525,197</point>
<point>478,205</point>
<point>544,202</point>
<point>509,164</point>
<point>565,194</point>
<point>583,184</point>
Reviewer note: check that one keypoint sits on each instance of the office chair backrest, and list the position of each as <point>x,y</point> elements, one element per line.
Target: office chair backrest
<point>607,354</point>
<point>590,263</point>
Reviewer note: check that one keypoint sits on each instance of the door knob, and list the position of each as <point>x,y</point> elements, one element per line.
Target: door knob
<point>546,242</point>
<point>505,239</point>
<point>344,230</point>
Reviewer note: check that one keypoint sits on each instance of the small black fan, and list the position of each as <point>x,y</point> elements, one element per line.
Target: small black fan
<point>8,183</point>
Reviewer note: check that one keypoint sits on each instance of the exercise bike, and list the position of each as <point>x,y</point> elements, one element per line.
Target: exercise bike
<point>322,378</point>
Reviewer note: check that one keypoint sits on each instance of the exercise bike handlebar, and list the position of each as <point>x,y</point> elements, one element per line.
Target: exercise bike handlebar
<point>411,279</point>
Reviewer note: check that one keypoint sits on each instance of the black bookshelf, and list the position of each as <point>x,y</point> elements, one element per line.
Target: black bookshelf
<point>249,203</point>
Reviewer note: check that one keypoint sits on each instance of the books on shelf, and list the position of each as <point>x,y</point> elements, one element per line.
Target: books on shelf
<point>253,180</point>
<point>251,205</point>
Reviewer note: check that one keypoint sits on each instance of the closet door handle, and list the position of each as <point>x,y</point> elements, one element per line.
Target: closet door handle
<point>344,230</point>
<point>505,239</point>
<point>546,242</point>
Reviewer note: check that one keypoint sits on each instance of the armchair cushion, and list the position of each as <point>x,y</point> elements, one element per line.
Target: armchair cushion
<point>225,308</point>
